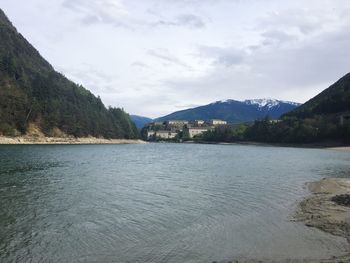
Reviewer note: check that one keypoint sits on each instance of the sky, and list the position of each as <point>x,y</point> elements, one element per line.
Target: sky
<point>153,57</point>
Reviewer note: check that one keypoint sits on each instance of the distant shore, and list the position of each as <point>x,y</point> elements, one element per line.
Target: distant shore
<point>65,140</point>
<point>328,146</point>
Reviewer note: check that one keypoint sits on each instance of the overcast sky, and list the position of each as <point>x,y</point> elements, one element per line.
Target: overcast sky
<point>152,57</point>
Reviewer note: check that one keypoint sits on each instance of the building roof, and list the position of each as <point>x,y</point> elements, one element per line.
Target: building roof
<point>165,131</point>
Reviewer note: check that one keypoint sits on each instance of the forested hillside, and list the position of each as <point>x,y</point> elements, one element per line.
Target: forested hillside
<point>32,92</point>
<point>335,99</point>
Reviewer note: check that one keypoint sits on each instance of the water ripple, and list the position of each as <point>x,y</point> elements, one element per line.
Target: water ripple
<point>159,203</point>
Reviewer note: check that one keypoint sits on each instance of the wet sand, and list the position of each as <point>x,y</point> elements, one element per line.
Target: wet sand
<point>328,209</point>
<point>343,149</point>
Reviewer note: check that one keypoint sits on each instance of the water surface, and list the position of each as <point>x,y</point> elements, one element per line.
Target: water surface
<point>160,202</point>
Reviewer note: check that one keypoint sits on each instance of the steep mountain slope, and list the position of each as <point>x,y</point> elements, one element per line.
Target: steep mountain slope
<point>140,121</point>
<point>234,111</point>
<point>334,99</point>
<point>33,93</point>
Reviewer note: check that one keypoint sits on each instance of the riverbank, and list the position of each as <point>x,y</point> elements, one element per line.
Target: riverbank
<point>64,140</point>
<point>328,209</point>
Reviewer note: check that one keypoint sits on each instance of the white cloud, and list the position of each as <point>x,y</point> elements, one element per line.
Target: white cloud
<point>156,56</point>
<point>98,11</point>
<point>167,57</point>
<point>223,56</point>
<point>189,20</point>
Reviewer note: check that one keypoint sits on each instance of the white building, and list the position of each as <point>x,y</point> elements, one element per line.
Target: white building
<point>194,131</point>
<point>176,122</point>
<point>217,122</point>
<point>198,122</point>
<point>150,134</point>
<point>274,121</point>
<point>166,134</point>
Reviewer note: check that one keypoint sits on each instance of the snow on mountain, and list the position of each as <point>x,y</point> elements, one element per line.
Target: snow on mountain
<point>234,111</point>
<point>261,103</point>
<point>269,103</point>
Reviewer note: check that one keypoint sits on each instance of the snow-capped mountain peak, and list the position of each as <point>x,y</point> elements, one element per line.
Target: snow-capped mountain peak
<point>266,105</point>
<point>269,103</point>
<point>262,102</point>
<point>224,101</point>
<point>234,111</point>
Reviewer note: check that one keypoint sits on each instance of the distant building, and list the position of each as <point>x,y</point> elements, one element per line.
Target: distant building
<point>198,122</point>
<point>176,122</point>
<point>217,122</point>
<point>173,128</point>
<point>274,121</point>
<point>194,131</point>
<point>150,134</point>
<point>166,134</point>
<point>175,125</point>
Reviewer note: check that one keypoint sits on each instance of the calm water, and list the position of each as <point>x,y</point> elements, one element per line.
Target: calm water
<point>159,203</point>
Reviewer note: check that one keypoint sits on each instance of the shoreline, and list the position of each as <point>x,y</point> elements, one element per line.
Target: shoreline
<point>327,209</point>
<point>327,146</point>
<point>32,140</point>
<point>340,148</point>
<point>319,210</point>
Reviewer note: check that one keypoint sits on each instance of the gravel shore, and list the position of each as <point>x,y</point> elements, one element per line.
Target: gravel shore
<point>64,140</point>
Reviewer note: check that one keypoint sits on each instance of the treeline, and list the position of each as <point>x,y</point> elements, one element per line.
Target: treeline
<point>294,130</point>
<point>288,130</point>
<point>31,91</point>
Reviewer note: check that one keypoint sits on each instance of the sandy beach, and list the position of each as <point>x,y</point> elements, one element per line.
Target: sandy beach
<point>343,149</point>
<point>64,140</point>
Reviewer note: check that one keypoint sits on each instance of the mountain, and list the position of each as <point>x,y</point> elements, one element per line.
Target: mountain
<point>33,94</point>
<point>140,121</point>
<point>332,100</point>
<point>234,111</point>
<point>323,119</point>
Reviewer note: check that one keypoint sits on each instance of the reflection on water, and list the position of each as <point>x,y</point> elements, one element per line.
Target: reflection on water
<point>159,203</point>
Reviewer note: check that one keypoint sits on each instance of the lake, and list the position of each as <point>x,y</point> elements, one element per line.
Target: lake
<point>160,202</point>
